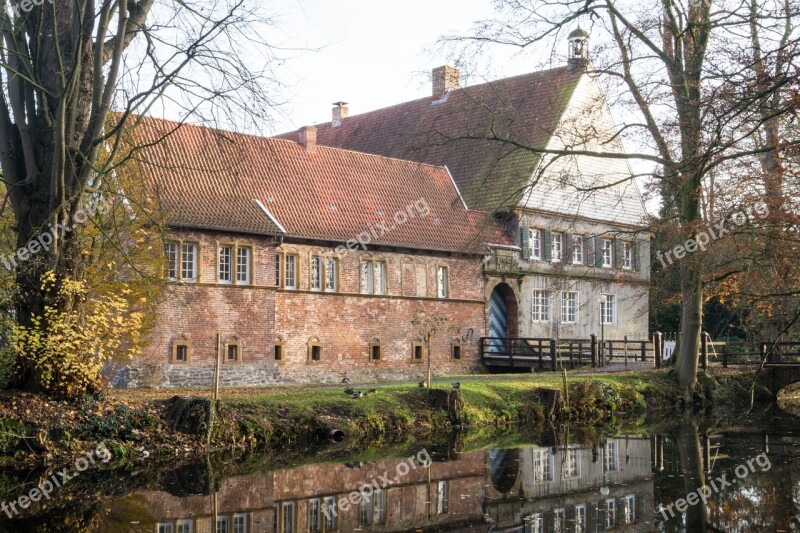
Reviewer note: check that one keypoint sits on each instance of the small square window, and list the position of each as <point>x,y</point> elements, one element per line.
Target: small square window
<point>417,352</point>
<point>375,352</point>
<point>181,352</point>
<point>233,353</point>
<point>456,351</point>
<point>314,352</point>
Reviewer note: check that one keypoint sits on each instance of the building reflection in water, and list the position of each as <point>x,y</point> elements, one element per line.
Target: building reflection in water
<point>566,488</point>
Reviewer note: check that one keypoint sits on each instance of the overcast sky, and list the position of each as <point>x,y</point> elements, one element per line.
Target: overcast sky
<point>372,54</point>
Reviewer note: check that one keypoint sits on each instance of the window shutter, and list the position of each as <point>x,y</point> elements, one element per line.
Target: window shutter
<point>548,245</point>
<point>617,253</point>
<point>598,251</point>
<point>526,243</point>
<point>640,262</point>
<point>568,252</point>
<point>590,251</point>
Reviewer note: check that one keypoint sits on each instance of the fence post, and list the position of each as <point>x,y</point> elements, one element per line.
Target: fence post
<point>725,356</point>
<point>625,349</point>
<point>644,351</point>
<point>594,350</point>
<point>553,355</point>
<point>658,348</point>
<point>704,349</point>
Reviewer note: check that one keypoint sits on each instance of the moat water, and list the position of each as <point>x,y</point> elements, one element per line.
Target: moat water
<point>739,474</point>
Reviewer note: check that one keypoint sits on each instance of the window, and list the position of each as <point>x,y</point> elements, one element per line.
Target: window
<point>290,272</point>
<point>630,509</point>
<point>225,262</point>
<point>455,351</point>
<point>577,249</point>
<point>580,519</point>
<point>165,528</point>
<point>572,463</point>
<point>375,352</point>
<point>442,282</point>
<point>373,511</point>
<point>558,247</point>
<point>222,524</point>
<point>243,255</point>
<point>181,352</point>
<point>240,523</point>
<point>330,513</point>
<point>443,497</point>
<point>316,274</point>
<point>541,305</point>
<point>185,526</point>
<point>278,264</point>
<point>331,274</point>
<point>314,516</point>
<point>608,308</point>
<point>559,521</point>
<point>535,523</point>
<point>373,277</point>
<point>612,456</point>
<point>288,517</point>
<point>188,262</point>
<point>536,243</point>
<point>627,255</point>
<point>171,252</point>
<point>279,353</point>
<point>314,352</point>
<point>608,253</point>
<point>364,513</point>
<point>417,352</point>
<point>542,465</point>
<point>182,261</point>
<point>233,352</point>
<point>569,307</point>
<point>611,513</point>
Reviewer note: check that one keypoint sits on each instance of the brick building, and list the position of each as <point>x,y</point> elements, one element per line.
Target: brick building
<point>297,262</point>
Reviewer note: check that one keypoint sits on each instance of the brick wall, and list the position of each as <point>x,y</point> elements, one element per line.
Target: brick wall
<point>344,322</point>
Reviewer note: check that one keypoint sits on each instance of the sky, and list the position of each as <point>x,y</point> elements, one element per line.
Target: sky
<point>370,53</point>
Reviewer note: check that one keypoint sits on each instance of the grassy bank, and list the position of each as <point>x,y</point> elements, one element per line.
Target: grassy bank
<point>137,425</point>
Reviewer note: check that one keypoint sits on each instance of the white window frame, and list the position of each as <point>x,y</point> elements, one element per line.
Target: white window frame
<point>541,301</point>
<point>572,463</point>
<point>611,458</point>
<point>315,270</point>
<point>279,270</point>
<point>611,513</point>
<point>566,310</point>
<point>543,465</point>
<point>225,264</point>
<point>331,274</point>
<point>608,309</point>
<point>536,244</point>
<point>193,263</point>
<point>185,526</point>
<point>608,253</point>
<point>295,259</point>
<point>627,255</point>
<point>442,282</point>
<point>630,509</point>
<point>244,262</point>
<point>558,247</point>
<point>172,251</point>
<point>373,277</point>
<point>577,249</point>
<point>580,518</point>
<point>559,520</point>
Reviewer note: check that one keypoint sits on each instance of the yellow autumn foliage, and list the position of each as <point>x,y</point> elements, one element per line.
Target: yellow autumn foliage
<point>68,351</point>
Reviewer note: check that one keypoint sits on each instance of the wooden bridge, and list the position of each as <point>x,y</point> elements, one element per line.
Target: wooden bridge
<point>540,354</point>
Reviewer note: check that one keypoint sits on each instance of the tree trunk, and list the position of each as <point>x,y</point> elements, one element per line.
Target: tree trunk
<point>691,326</point>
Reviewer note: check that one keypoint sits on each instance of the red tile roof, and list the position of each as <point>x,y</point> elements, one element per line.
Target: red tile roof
<point>491,174</point>
<point>218,180</point>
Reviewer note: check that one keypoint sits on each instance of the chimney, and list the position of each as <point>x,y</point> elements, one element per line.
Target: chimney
<point>444,79</point>
<point>308,138</point>
<point>340,112</point>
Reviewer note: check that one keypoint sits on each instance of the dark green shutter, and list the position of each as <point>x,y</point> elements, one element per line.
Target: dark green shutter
<point>617,254</point>
<point>568,252</point>
<point>548,245</point>
<point>526,243</point>
<point>598,251</point>
<point>590,251</point>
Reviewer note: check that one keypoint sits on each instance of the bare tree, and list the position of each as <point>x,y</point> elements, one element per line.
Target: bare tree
<point>683,70</point>
<point>75,76</point>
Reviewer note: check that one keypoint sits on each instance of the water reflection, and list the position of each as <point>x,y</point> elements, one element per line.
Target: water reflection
<point>563,484</point>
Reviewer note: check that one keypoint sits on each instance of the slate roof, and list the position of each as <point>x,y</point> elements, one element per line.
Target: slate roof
<point>218,180</point>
